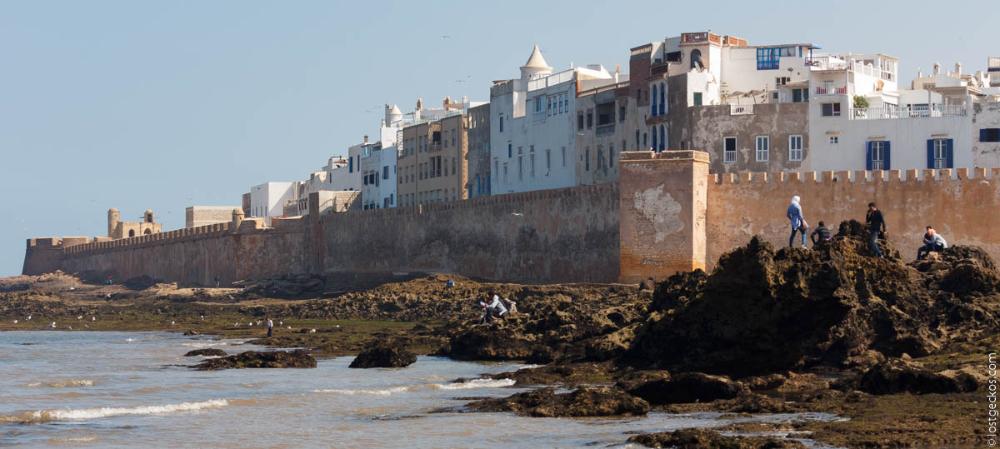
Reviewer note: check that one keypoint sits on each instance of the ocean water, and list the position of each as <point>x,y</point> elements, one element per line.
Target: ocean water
<point>116,390</point>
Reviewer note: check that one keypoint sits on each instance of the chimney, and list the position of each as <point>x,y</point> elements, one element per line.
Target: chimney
<point>420,104</point>
<point>958,69</point>
<point>366,138</point>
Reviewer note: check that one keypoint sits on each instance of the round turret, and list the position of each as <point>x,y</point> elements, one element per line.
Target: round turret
<point>536,65</point>
<point>114,217</point>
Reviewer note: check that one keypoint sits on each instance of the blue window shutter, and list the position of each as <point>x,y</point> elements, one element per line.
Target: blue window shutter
<point>887,164</point>
<point>868,156</point>
<point>930,153</point>
<point>951,154</point>
<point>652,103</point>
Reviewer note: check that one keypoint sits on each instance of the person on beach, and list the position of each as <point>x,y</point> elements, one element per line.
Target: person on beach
<point>932,242</point>
<point>821,234</point>
<point>497,308</point>
<point>798,222</point>
<point>876,229</point>
<point>270,327</point>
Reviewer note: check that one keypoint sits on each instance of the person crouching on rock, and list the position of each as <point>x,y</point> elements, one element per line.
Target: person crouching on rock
<point>495,309</point>
<point>821,234</point>
<point>798,222</point>
<point>932,242</point>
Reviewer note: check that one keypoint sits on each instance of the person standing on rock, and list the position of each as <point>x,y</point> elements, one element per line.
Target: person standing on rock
<point>270,327</point>
<point>798,222</point>
<point>932,242</point>
<point>876,228</point>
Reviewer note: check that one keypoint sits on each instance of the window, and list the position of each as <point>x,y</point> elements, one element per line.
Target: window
<point>505,177</point>
<point>637,139</point>
<point>768,58</point>
<point>834,140</point>
<point>621,113</point>
<point>520,167</point>
<point>611,154</point>
<point>800,95</point>
<point>605,114</point>
<point>939,153</point>
<point>652,104</point>
<point>538,104</point>
<point>510,151</point>
<point>729,150</point>
<point>579,121</point>
<point>496,166</point>
<point>697,99</point>
<point>989,135</point>
<point>663,95</point>
<point>548,161</point>
<point>663,138</point>
<point>781,80</point>
<point>696,59</point>
<point>587,158</point>
<point>763,148</point>
<point>385,172</point>
<point>531,161</point>
<point>501,122</point>
<point>564,156</point>
<point>795,148</point>
<point>350,165</point>
<point>878,155</point>
<point>590,118</point>
<point>831,109</point>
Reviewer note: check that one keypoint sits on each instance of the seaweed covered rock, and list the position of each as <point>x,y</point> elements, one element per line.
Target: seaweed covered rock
<point>384,354</point>
<point>260,359</point>
<point>688,387</point>
<point>710,439</point>
<point>898,376</point>
<point>764,310</point>
<point>206,352</point>
<point>584,401</point>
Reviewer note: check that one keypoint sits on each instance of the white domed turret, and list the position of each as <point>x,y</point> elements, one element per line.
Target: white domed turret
<point>392,114</point>
<point>536,65</point>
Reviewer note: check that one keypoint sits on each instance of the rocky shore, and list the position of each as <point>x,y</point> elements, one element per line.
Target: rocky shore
<point>898,348</point>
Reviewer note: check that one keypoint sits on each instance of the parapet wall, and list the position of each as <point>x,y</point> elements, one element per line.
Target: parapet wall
<point>197,256</point>
<point>963,205</point>
<point>660,208</point>
<point>560,235</point>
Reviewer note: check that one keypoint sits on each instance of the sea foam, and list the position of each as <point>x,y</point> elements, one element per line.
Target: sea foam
<point>41,416</point>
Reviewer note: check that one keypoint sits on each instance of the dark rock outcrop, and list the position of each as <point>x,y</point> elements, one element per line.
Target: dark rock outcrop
<point>764,310</point>
<point>709,439</point>
<point>584,401</point>
<point>256,359</point>
<point>207,352</point>
<point>688,387</point>
<point>384,354</point>
<point>898,376</point>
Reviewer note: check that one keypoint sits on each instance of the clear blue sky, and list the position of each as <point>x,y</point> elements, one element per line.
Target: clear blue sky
<point>140,104</point>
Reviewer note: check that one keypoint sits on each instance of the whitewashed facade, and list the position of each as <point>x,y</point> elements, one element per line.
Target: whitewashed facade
<point>533,125</point>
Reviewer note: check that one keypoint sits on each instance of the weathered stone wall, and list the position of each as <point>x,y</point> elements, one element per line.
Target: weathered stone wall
<point>561,235</point>
<point>963,205</point>
<point>196,256</point>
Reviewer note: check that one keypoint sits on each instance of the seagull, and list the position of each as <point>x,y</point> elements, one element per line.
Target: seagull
<point>517,214</point>
<point>93,318</point>
<point>445,36</point>
<point>281,323</point>
<point>29,317</point>
<point>173,323</point>
<point>53,324</point>
<point>15,321</point>
<point>79,317</point>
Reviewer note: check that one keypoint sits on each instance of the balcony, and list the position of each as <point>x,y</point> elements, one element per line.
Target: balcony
<point>896,112</point>
<point>740,109</point>
<point>606,129</point>
<point>831,91</point>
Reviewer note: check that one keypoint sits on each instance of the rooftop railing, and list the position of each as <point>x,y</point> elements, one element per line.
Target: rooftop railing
<point>897,112</point>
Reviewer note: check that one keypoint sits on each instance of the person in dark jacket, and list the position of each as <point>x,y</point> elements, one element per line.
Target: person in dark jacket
<point>821,234</point>
<point>932,242</point>
<point>876,228</point>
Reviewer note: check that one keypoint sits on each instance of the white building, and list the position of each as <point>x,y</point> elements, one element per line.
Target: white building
<point>268,199</point>
<point>859,119</point>
<point>533,125</point>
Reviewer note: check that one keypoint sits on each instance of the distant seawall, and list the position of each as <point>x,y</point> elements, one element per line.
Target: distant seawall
<point>666,214</point>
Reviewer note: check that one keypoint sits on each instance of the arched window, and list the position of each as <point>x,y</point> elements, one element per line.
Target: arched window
<point>148,231</point>
<point>663,102</point>
<point>131,232</point>
<point>637,140</point>
<point>652,104</point>
<point>696,59</point>
<point>663,139</point>
<point>653,131</point>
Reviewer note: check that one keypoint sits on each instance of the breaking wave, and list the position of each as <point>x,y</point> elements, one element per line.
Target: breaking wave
<point>69,383</point>
<point>466,385</point>
<point>476,383</point>
<point>43,416</point>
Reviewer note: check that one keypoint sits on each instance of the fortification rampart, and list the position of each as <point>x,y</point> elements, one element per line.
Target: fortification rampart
<point>666,214</point>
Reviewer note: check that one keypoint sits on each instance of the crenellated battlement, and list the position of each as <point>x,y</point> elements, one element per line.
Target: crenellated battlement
<point>858,176</point>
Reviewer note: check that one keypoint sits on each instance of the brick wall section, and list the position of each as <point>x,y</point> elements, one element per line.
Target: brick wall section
<point>963,205</point>
<point>560,235</point>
